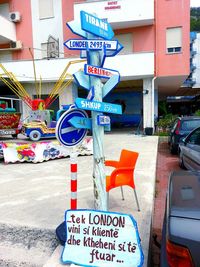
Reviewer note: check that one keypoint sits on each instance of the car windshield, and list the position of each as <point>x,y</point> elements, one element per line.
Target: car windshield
<point>190,125</point>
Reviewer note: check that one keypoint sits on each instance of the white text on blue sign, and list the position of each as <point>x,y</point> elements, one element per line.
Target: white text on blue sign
<point>98,106</point>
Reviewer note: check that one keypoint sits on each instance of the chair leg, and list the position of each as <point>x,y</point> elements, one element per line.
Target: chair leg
<point>122,192</point>
<point>108,200</point>
<point>138,206</point>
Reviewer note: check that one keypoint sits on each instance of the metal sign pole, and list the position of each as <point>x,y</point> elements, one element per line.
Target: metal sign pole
<point>99,177</point>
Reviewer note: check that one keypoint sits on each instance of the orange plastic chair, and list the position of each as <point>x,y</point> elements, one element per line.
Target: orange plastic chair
<point>123,174</point>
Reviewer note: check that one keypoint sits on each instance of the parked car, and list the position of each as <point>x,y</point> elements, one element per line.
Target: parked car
<point>181,236</point>
<point>189,151</point>
<point>181,128</point>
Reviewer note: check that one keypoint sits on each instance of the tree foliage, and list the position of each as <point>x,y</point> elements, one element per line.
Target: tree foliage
<point>195,19</point>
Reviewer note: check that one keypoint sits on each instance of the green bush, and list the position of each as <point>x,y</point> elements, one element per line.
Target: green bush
<point>197,113</point>
<point>165,123</point>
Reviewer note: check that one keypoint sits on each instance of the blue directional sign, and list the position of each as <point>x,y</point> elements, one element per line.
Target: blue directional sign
<point>96,26</point>
<point>98,106</point>
<point>103,120</point>
<point>114,53</point>
<point>82,79</point>
<point>75,28</point>
<point>66,134</point>
<point>81,123</point>
<point>110,84</point>
<point>99,72</point>
<point>95,44</point>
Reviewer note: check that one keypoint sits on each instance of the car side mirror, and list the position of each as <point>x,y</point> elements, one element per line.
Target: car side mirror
<point>183,141</point>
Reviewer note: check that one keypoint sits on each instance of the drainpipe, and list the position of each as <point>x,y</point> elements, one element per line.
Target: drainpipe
<point>153,102</point>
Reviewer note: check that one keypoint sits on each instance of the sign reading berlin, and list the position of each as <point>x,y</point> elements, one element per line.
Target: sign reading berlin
<point>100,72</point>
<point>104,239</point>
<point>96,26</point>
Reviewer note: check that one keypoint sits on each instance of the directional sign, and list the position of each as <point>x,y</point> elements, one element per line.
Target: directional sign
<point>98,106</point>
<point>103,120</point>
<point>65,133</point>
<point>82,79</point>
<point>81,123</point>
<point>79,44</point>
<point>96,26</point>
<point>110,84</point>
<point>114,53</point>
<point>99,72</point>
<point>75,28</point>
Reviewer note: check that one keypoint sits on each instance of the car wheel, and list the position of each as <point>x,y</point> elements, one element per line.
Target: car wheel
<point>172,149</point>
<point>14,136</point>
<point>35,135</point>
<point>181,163</point>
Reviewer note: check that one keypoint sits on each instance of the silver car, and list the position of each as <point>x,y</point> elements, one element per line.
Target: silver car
<point>189,151</point>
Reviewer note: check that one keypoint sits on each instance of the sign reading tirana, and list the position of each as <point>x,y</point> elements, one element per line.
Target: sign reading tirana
<point>102,238</point>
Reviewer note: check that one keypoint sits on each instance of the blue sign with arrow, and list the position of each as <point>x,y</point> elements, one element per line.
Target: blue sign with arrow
<point>81,123</point>
<point>75,28</point>
<point>82,79</point>
<point>110,84</point>
<point>96,26</point>
<point>98,106</point>
<point>66,134</point>
<point>95,44</point>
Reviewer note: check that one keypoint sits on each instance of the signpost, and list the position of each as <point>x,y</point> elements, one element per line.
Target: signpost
<point>103,238</point>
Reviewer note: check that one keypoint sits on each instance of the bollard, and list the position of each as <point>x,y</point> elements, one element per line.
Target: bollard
<point>73,167</point>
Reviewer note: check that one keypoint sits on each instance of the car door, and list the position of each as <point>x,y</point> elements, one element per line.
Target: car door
<point>191,151</point>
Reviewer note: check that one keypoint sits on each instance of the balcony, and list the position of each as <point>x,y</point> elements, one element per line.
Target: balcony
<point>120,14</point>
<point>7,31</point>
<point>130,67</point>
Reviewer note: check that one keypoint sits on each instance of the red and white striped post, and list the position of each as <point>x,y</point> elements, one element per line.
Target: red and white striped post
<point>73,166</point>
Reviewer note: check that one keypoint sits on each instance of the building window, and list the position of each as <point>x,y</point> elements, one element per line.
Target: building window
<point>174,40</point>
<point>126,39</point>
<point>46,9</point>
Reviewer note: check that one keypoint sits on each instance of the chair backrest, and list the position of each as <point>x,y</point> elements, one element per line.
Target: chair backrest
<point>128,158</point>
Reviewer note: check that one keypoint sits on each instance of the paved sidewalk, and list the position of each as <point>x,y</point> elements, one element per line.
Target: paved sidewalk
<point>166,163</point>
<point>34,197</point>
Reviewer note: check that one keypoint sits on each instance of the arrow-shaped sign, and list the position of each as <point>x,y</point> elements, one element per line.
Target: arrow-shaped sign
<point>96,26</point>
<point>82,79</point>
<point>81,123</point>
<point>76,28</point>
<point>110,84</point>
<point>99,72</point>
<point>114,53</point>
<point>98,106</point>
<point>95,44</point>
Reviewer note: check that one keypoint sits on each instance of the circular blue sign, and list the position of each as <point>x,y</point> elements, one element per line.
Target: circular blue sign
<point>66,134</point>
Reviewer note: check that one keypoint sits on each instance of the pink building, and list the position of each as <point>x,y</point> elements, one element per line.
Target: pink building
<point>152,65</point>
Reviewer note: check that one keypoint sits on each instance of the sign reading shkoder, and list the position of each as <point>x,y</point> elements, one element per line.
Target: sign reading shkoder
<point>100,72</point>
<point>103,239</point>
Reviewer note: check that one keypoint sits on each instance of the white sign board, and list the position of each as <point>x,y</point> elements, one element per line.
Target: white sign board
<point>101,239</point>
